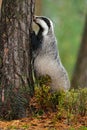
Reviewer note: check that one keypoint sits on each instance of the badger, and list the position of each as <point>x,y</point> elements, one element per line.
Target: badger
<point>46,55</point>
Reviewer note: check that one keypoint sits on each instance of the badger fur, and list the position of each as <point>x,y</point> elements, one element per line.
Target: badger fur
<point>46,55</point>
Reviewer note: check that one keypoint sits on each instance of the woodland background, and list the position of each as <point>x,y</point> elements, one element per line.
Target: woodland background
<point>70,22</point>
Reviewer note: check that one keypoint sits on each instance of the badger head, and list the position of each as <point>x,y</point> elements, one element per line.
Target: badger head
<point>45,25</point>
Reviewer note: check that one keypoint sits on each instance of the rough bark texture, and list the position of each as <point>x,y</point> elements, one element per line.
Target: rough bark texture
<point>80,74</point>
<point>15,57</point>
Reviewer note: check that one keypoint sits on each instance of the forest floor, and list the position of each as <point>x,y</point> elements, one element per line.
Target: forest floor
<point>45,122</point>
<point>53,111</point>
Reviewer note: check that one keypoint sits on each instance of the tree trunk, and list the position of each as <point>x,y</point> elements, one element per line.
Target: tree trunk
<point>15,57</point>
<point>80,74</point>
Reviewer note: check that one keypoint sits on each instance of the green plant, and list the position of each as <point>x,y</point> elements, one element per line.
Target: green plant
<point>11,127</point>
<point>24,127</point>
<point>83,102</point>
<point>43,97</point>
<point>71,128</point>
<point>83,128</point>
<point>68,104</point>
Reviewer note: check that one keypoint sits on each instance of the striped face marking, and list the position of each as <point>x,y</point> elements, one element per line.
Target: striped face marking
<point>44,23</point>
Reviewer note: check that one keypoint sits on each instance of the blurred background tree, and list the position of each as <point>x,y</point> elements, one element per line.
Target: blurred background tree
<point>0,3</point>
<point>80,74</point>
<point>0,7</point>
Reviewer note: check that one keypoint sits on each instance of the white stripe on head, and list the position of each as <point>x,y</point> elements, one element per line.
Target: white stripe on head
<point>44,26</point>
<point>52,26</point>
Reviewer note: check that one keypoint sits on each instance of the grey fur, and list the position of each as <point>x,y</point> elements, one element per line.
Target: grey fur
<point>47,62</point>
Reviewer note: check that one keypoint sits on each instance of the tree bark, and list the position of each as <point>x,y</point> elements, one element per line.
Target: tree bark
<point>15,57</point>
<point>80,74</point>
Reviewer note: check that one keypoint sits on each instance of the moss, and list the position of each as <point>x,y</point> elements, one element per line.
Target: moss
<point>68,104</point>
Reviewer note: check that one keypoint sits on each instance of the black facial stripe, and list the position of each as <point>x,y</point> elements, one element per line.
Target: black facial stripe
<point>46,21</point>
